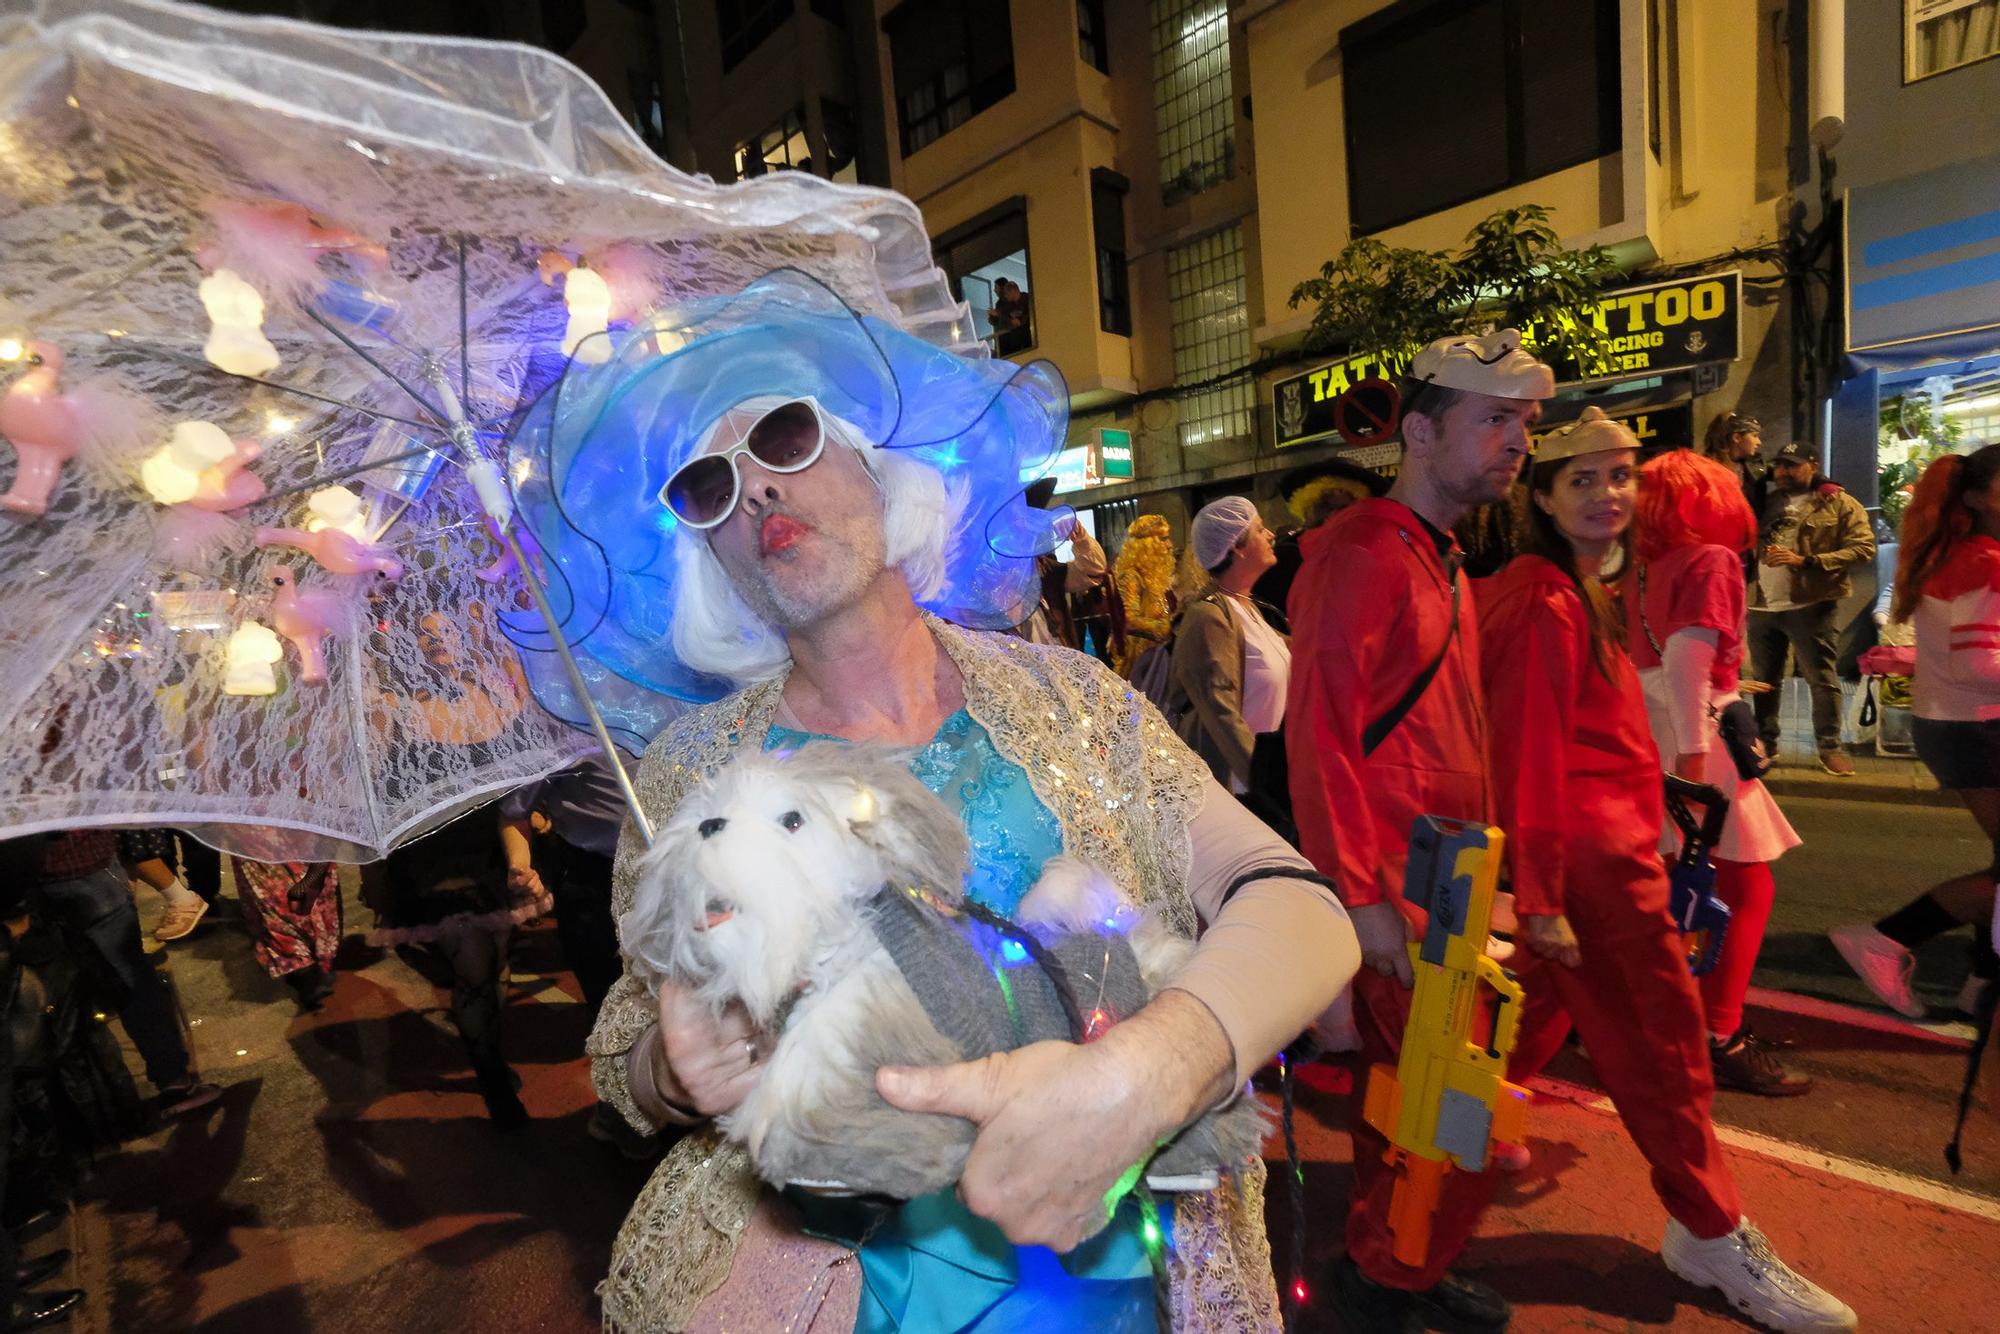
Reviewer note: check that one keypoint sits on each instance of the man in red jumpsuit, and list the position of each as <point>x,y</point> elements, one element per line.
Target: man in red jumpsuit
<point>1385,723</point>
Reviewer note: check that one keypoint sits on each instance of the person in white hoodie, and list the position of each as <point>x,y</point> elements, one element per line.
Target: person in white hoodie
<point>1948,584</point>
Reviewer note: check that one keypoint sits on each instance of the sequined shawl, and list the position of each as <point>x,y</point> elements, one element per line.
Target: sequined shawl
<point>1124,789</point>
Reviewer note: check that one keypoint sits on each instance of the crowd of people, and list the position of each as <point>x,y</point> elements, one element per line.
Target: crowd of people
<point>1645,623</point>
<point>1276,706</point>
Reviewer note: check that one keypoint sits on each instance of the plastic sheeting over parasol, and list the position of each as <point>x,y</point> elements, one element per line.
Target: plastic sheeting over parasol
<point>440,192</point>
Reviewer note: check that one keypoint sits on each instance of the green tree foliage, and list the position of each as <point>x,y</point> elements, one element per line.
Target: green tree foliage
<point>1513,272</point>
<point>1912,433</point>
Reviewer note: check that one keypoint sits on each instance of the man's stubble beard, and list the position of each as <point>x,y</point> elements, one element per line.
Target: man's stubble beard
<point>855,560</point>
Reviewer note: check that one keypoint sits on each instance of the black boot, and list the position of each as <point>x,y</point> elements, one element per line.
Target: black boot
<point>1462,1305</point>
<point>1454,1304</point>
<point>1745,1063</point>
<point>311,984</point>
<point>497,1086</point>
<point>1366,1307</point>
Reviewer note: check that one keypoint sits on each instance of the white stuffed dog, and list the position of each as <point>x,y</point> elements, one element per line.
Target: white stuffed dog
<point>823,890</point>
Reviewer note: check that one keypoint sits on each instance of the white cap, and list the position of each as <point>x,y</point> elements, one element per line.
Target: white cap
<point>1489,363</point>
<point>1218,528</point>
<point>1592,433</point>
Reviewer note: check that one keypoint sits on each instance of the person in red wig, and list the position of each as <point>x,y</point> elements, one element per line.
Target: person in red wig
<point>1684,627</point>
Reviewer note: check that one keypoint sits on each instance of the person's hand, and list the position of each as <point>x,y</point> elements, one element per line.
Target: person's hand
<point>1692,766</point>
<point>525,880</point>
<point>1385,936</point>
<point>1782,557</point>
<point>1551,938</point>
<point>1061,1125</point>
<point>712,1063</point>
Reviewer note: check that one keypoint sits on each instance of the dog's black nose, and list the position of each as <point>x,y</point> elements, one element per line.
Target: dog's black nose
<point>712,826</point>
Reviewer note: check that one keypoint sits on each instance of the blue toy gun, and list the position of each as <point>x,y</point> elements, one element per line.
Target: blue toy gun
<point>1699,915</point>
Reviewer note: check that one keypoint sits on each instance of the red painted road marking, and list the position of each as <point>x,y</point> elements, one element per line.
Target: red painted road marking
<point>1812,1007</point>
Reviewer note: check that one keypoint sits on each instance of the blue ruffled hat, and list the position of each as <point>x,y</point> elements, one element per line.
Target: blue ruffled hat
<point>591,457</point>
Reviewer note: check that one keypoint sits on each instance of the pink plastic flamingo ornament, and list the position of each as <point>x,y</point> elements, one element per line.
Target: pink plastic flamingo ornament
<point>44,427</point>
<point>339,552</point>
<point>230,485</point>
<point>305,616</point>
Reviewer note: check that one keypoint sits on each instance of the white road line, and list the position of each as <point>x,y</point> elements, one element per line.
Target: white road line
<point>1812,1007</point>
<point>1852,1169</point>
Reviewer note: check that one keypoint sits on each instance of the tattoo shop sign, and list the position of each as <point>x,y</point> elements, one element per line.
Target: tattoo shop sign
<point>1654,328</point>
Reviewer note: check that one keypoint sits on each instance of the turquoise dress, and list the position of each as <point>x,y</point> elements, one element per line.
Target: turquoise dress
<point>935,1267</point>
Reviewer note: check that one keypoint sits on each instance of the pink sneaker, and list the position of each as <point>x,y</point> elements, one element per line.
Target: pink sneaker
<point>180,921</point>
<point>1509,1157</point>
<point>1884,965</point>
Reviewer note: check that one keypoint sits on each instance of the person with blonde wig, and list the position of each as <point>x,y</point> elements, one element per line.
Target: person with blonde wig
<point>1145,575</point>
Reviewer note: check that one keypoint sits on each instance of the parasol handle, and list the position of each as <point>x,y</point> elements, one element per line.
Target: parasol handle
<point>490,485</point>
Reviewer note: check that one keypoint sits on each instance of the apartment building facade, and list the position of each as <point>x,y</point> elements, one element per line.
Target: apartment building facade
<point>1133,188</point>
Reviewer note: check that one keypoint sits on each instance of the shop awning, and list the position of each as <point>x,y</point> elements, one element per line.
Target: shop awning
<point>1923,267</point>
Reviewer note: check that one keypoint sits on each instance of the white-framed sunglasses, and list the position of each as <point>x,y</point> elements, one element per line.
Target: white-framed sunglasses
<point>788,438</point>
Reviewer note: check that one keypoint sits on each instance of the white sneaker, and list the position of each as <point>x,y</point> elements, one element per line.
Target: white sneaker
<point>1884,965</point>
<point>1756,1282</point>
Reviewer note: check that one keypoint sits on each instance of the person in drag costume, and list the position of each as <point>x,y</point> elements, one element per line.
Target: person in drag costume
<point>771,496</point>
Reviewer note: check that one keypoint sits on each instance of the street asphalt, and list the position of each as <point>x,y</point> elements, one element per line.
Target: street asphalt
<point>348,1179</point>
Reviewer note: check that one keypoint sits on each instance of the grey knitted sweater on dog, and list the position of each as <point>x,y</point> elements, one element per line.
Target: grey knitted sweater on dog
<point>955,965</point>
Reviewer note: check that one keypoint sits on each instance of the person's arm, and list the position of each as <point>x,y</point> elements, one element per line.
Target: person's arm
<point>1856,537</point>
<point>1269,963</point>
<point>1529,651</point>
<point>1885,582</point>
<point>1339,650</point>
<point>1086,566</point>
<point>517,842</point>
<point>1208,659</point>
<point>1686,666</point>
<point>1276,952</point>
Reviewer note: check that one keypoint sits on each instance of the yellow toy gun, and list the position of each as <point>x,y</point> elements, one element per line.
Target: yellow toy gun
<point>1448,1098</point>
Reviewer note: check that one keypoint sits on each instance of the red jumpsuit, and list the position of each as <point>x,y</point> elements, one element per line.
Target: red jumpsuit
<point>1577,786</point>
<point>1370,609</point>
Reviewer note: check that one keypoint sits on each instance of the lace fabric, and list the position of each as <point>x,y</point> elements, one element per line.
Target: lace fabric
<point>1122,788</point>
<point>121,123</point>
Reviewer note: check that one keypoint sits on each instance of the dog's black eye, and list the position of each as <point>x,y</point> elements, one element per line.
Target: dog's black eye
<point>792,821</point>
<point>712,826</point>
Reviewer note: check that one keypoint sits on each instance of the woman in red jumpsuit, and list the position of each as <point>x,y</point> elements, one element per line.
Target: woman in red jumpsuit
<point>1578,790</point>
